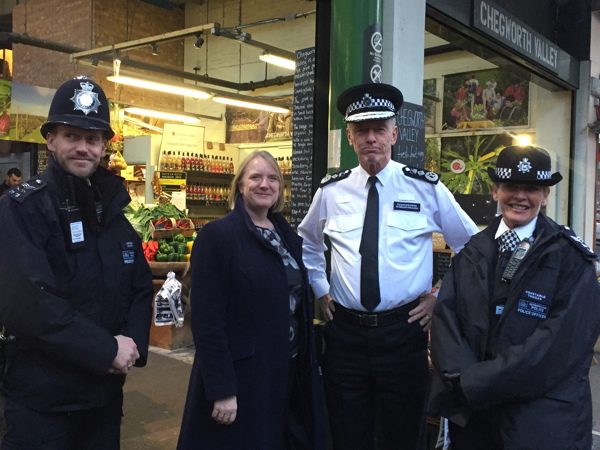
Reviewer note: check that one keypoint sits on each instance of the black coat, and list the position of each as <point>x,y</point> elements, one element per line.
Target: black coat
<point>241,324</point>
<point>64,306</point>
<point>534,379</point>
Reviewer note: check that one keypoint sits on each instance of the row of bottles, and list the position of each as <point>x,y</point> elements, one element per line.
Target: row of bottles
<point>195,162</point>
<point>214,193</point>
<point>285,164</point>
<point>219,193</point>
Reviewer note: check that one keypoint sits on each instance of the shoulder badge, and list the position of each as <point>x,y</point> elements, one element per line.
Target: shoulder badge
<point>330,178</point>
<point>421,174</point>
<point>21,191</point>
<point>578,242</point>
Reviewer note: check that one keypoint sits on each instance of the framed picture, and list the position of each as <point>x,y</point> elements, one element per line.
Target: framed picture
<point>485,99</point>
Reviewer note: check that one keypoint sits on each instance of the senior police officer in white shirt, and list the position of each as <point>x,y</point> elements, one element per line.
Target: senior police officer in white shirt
<point>375,363</point>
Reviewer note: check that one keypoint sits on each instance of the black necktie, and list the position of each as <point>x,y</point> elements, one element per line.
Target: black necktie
<point>508,241</point>
<point>369,250</point>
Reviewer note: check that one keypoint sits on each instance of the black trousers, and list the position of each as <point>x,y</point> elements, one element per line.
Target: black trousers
<point>92,429</point>
<point>376,382</point>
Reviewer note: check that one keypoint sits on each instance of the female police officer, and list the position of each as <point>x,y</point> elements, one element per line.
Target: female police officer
<point>513,331</point>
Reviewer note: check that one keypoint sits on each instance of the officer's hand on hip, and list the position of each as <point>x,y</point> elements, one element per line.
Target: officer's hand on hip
<point>327,307</point>
<point>423,312</point>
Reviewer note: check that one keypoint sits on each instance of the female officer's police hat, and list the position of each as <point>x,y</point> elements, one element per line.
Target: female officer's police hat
<point>376,101</point>
<point>524,165</point>
<point>81,103</point>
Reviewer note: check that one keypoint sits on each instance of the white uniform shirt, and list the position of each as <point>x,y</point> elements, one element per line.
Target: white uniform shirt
<point>410,210</point>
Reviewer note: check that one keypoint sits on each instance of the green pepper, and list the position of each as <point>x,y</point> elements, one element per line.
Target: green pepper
<point>182,258</point>
<point>161,257</point>
<point>179,238</point>
<point>175,245</point>
<point>174,257</point>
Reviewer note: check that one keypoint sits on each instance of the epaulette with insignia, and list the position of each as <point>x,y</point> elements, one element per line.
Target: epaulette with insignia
<point>21,191</point>
<point>421,174</point>
<point>578,242</point>
<point>330,178</point>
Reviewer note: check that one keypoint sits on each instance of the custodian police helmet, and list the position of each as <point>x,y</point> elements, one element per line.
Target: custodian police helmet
<point>524,165</point>
<point>81,103</point>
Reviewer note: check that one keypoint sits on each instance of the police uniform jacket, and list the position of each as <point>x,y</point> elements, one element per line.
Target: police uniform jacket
<point>241,327</point>
<point>531,369</point>
<point>412,205</point>
<point>66,305</point>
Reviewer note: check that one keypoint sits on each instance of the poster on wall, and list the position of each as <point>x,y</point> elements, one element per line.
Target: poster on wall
<point>28,111</point>
<point>429,93</point>
<point>492,98</point>
<point>246,125</point>
<point>464,161</point>
<point>5,100</point>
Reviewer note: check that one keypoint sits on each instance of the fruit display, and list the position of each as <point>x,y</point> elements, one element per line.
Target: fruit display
<point>116,161</point>
<point>145,221</point>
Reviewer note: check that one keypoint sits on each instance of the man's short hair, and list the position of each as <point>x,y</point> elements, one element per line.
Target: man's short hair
<point>509,98</point>
<point>14,171</point>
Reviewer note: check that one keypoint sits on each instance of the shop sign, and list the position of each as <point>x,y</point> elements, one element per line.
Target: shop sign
<point>499,24</point>
<point>373,54</point>
<point>409,148</point>
<point>172,178</point>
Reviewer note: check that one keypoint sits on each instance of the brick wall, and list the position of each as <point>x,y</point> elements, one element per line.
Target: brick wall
<point>88,24</point>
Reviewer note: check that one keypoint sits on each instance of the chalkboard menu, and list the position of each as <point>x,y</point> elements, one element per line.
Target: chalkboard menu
<point>410,145</point>
<point>303,140</point>
<point>441,263</point>
<point>42,159</point>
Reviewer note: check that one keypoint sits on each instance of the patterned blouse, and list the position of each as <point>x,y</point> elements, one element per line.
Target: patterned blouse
<point>294,282</point>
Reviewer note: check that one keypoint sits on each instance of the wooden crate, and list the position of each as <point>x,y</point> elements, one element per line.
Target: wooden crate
<point>170,232</point>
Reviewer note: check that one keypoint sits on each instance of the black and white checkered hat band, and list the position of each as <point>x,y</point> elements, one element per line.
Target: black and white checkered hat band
<point>503,172</point>
<point>370,102</point>
<point>544,175</point>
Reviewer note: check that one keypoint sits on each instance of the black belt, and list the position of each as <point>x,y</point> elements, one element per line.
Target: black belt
<point>377,319</point>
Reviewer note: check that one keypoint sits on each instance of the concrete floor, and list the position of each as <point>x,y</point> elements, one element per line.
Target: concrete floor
<point>155,398</point>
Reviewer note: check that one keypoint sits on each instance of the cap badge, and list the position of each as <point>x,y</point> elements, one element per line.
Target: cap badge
<point>85,100</point>
<point>524,166</point>
<point>367,100</point>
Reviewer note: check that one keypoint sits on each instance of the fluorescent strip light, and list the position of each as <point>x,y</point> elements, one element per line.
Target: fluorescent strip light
<point>142,124</point>
<point>162,115</point>
<point>162,87</point>
<point>252,105</point>
<point>278,61</point>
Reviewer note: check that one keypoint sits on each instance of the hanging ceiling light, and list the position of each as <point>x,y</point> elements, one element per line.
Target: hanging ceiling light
<point>199,41</point>
<point>172,88</point>
<point>278,60</point>
<point>178,117</point>
<point>154,49</point>
<point>270,106</point>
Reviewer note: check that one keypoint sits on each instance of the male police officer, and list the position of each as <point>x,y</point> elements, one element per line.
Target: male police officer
<point>378,304</point>
<point>76,288</point>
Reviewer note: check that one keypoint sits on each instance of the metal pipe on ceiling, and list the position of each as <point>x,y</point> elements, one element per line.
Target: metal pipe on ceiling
<point>16,38</point>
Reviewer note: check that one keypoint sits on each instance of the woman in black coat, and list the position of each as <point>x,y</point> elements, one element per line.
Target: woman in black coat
<point>255,381</point>
<point>513,331</point>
